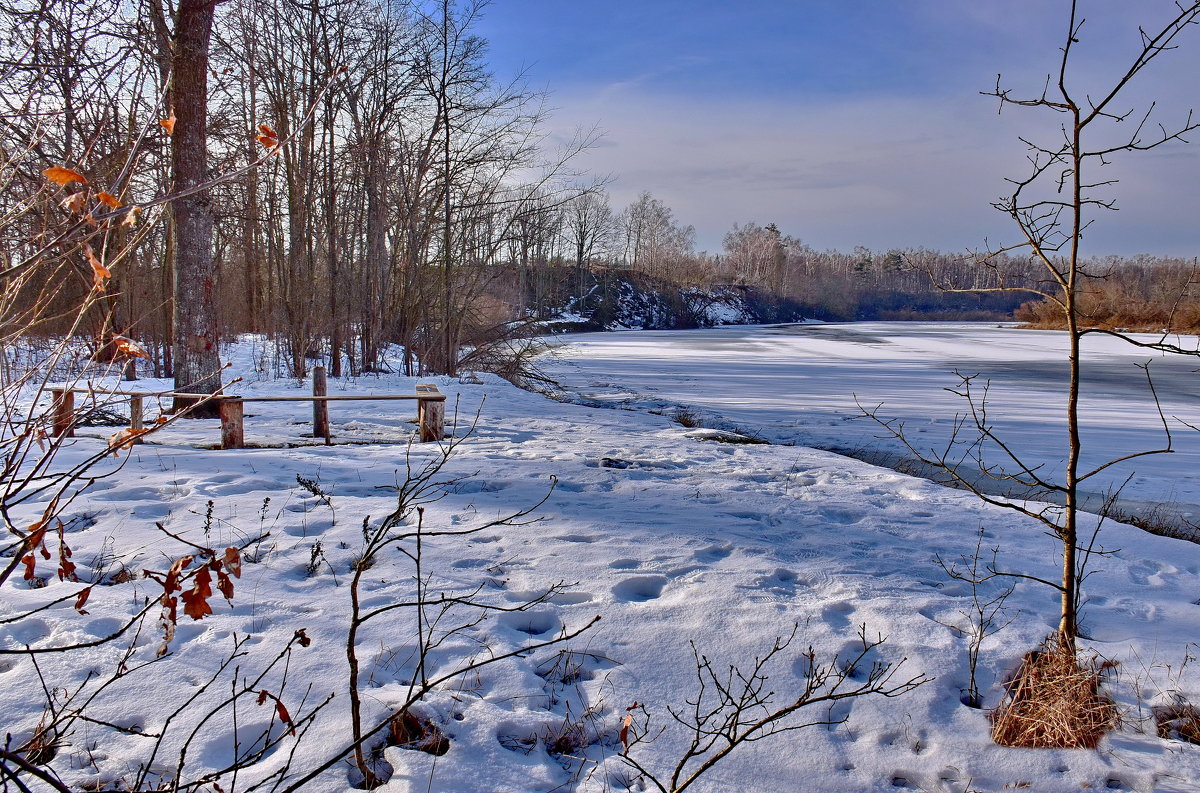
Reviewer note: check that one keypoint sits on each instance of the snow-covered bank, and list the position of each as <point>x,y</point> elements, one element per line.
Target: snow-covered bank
<point>667,537</point>
<point>799,384</point>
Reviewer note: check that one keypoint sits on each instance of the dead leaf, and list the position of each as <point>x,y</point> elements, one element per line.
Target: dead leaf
<point>81,599</point>
<point>233,562</point>
<point>168,123</point>
<point>267,137</point>
<point>127,346</point>
<point>225,585</point>
<point>109,200</point>
<point>100,273</point>
<point>195,600</point>
<point>76,202</point>
<point>30,562</point>
<point>63,176</point>
<point>171,582</point>
<point>284,716</point>
<point>123,439</point>
<point>131,217</point>
<point>66,568</point>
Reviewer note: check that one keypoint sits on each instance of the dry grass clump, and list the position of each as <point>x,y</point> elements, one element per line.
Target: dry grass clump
<point>411,731</point>
<point>1180,721</point>
<point>1054,702</point>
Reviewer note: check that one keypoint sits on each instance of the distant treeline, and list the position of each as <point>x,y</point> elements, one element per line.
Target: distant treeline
<point>1138,294</point>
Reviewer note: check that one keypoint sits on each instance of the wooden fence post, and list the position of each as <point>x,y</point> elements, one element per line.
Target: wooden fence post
<point>135,417</point>
<point>431,412</point>
<point>320,406</point>
<point>232,427</point>
<point>63,411</point>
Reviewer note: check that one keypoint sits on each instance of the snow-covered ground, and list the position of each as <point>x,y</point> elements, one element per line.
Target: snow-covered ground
<point>668,536</point>
<point>798,384</point>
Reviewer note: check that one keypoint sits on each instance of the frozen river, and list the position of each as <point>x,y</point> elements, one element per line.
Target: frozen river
<point>802,384</point>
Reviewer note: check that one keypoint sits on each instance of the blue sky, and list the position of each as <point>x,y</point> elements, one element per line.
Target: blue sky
<point>846,122</point>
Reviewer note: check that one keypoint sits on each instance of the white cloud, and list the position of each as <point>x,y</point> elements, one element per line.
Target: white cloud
<point>879,172</point>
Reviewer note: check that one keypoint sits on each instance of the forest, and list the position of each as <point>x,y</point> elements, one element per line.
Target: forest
<point>361,178</point>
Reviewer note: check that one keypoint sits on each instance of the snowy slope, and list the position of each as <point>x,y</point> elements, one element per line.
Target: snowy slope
<point>668,537</point>
<point>799,384</point>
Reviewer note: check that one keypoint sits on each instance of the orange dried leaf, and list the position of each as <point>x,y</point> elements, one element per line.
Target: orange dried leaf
<point>63,176</point>
<point>127,346</point>
<point>267,131</point>
<point>82,599</point>
<point>225,585</point>
<point>624,736</point>
<point>168,123</point>
<point>66,568</point>
<point>267,142</point>
<point>109,200</point>
<point>100,273</point>
<point>262,697</point>
<point>171,582</point>
<point>284,716</point>
<point>123,439</point>
<point>233,562</point>
<point>195,600</point>
<point>76,202</point>
<point>30,562</point>
<point>131,217</point>
<point>36,536</point>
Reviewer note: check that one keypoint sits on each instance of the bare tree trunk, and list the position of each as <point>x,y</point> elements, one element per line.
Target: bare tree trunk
<point>196,355</point>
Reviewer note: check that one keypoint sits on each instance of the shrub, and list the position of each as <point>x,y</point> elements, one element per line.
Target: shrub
<point>1054,702</point>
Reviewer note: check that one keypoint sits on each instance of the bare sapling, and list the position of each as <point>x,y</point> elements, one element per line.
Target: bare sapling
<point>732,706</point>
<point>986,614</point>
<point>436,616</point>
<point>1052,207</point>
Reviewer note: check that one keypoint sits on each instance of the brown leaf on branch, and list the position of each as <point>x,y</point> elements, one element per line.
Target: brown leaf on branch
<point>168,123</point>
<point>63,176</point>
<point>100,273</point>
<point>233,562</point>
<point>167,620</point>
<point>267,137</point>
<point>109,200</point>
<point>127,346</point>
<point>36,536</point>
<point>66,568</point>
<point>81,599</point>
<point>225,585</point>
<point>284,716</point>
<point>123,440</point>
<point>76,202</point>
<point>30,562</point>
<point>195,600</point>
<point>131,217</point>
<point>171,582</point>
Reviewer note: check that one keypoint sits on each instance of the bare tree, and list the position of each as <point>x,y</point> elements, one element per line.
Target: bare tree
<point>196,348</point>
<point>1052,208</point>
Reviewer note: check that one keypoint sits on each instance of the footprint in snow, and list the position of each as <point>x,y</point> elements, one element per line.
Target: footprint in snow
<point>837,615</point>
<point>712,554</point>
<point>531,623</point>
<point>639,589</point>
